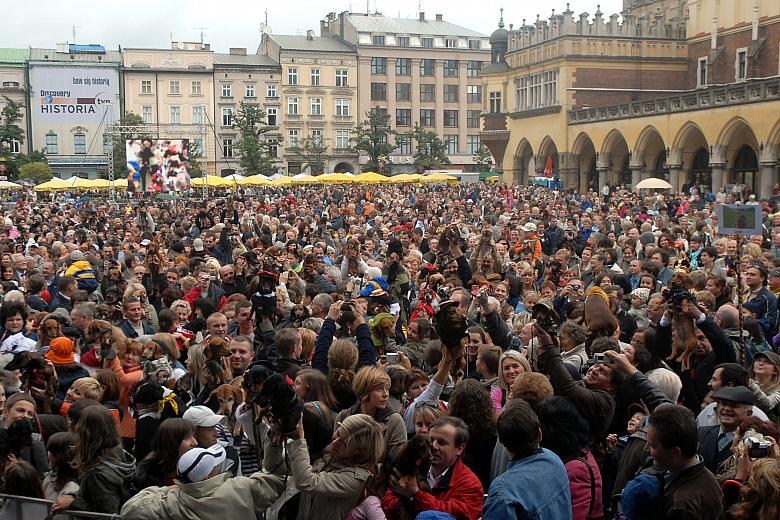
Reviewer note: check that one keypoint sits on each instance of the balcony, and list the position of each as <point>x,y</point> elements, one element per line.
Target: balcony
<point>750,91</point>
<point>494,121</point>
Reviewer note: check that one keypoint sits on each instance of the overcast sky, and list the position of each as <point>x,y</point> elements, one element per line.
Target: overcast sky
<point>236,23</point>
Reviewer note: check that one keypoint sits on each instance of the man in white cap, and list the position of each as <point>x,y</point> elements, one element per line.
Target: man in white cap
<point>207,432</point>
<point>205,490</point>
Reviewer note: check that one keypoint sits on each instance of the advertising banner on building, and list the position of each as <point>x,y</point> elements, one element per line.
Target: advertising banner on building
<point>74,94</point>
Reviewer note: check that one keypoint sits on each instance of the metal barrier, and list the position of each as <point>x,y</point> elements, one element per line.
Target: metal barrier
<point>70,514</point>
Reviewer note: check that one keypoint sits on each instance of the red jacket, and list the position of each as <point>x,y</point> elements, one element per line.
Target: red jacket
<point>459,493</point>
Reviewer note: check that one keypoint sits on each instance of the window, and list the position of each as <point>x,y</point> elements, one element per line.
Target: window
<point>475,44</point>
<point>427,67</point>
<point>79,144</point>
<point>495,102</point>
<point>403,144</point>
<point>472,144</point>
<point>427,117</point>
<point>227,147</point>
<point>292,138</point>
<point>196,88</point>
<point>473,68</point>
<point>341,78</point>
<point>427,92</point>
<point>316,106</point>
<point>342,139</point>
<point>342,107</point>
<point>316,137</point>
<point>472,118</point>
<point>10,84</point>
<point>270,91</point>
<point>197,115</point>
<point>227,116</point>
<point>740,64</point>
<point>249,90</point>
<point>227,90</point>
<point>378,40</point>
<point>402,41</point>
<point>451,142</point>
<point>292,76</point>
<point>176,115</point>
<point>426,43</point>
<point>701,72</point>
<point>146,86</point>
<point>380,111</point>
<point>450,118</point>
<point>292,105</point>
<point>378,65</point>
<point>403,91</point>
<point>270,115</point>
<point>450,68</point>
<point>146,114</point>
<point>403,67</point>
<point>315,77</point>
<point>536,91</point>
<point>174,87</point>
<point>473,94</point>
<point>450,43</point>
<point>51,143</point>
<point>403,117</point>
<point>378,91</point>
<point>16,146</point>
<point>273,150</point>
<point>451,93</point>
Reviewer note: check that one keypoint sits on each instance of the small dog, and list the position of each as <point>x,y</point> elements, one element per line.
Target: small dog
<point>224,400</point>
<point>36,372</point>
<point>48,329</point>
<point>153,350</point>
<point>215,350</point>
<point>105,335</point>
<point>413,462</point>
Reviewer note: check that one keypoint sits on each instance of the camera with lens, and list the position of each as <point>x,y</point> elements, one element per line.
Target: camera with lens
<point>758,448</point>
<point>444,292</point>
<point>279,403</point>
<point>546,317</point>
<point>347,315</point>
<point>676,294</point>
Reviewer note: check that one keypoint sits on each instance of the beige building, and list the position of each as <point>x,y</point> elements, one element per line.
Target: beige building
<point>319,101</point>
<point>174,89</point>
<point>239,77</point>
<point>13,85</point>
<point>419,71</point>
<point>686,91</point>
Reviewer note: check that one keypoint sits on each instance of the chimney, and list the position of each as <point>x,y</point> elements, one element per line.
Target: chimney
<point>310,35</point>
<point>439,17</point>
<point>238,51</point>
<point>422,16</point>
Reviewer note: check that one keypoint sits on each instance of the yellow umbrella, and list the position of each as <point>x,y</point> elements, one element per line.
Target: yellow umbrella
<point>406,177</point>
<point>213,182</point>
<point>120,184</point>
<point>8,185</point>
<point>281,181</point>
<point>370,178</point>
<point>336,178</point>
<point>305,179</point>
<point>97,184</point>
<point>438,177</point>
<point>53,185</point>
<point>255,180</point>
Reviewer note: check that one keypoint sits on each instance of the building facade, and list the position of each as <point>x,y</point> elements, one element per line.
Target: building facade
<point>173,90</point>
<point>684,90</point>
<point>74,94</point>
<point>13,85</point>
<point>419,71</point>
<point>319,101</point>
<point>238,77</point>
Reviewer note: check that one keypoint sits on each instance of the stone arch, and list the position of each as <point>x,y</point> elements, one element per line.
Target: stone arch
<point>524,162</point>
<point>613,160</point>
<point>547,148</point>
<point>691,151</point>
<point>772,146</point>
<point>584,156</point>
<point>343,167</point>
<point>649,157</point>
<point>738,149</point>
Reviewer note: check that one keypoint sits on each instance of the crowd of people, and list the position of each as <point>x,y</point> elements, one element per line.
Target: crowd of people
<point>390,352</point>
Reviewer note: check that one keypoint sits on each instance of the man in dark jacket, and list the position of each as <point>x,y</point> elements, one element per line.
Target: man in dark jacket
<point>133,326</point>
<point>66,288</point>
<point>734,403</point>
<point>553,238</point>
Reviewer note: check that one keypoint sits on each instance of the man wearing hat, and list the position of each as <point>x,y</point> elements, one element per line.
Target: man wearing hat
<point>205,490</point>
<point>530,240</point>
<point>207,432</point>
<point>734,403</point>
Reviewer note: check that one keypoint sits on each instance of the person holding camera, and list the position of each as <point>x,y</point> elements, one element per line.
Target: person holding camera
<point>734,404</point>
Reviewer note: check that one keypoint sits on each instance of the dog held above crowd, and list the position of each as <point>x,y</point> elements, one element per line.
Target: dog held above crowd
<point>390,352</point>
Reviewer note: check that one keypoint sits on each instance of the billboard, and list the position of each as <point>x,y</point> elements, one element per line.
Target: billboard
<point>158,165</point>
<point>74,94</point>
<point>739,219</point>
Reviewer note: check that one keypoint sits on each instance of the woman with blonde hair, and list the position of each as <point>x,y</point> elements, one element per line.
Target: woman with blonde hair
<point>510,365</point>
<point>214,267</point>
<point>150,313</point>
<point>761,493</point>
<point>765,382</point>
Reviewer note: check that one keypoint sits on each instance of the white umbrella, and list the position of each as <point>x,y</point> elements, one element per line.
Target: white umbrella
<point>653,184</point>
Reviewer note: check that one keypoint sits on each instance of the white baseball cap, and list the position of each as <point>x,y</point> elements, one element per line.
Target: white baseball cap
<point>202,416</point>
<point>529,227</point>
<point>198,463</point>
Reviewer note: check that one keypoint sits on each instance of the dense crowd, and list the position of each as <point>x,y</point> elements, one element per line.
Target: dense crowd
<point>388,351</point>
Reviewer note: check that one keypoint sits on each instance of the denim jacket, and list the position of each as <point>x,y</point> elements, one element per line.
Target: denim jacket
<point>536,488</point>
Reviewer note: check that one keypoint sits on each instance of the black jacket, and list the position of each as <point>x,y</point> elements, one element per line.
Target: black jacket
<point>131,333</point>
<point>708,448</point>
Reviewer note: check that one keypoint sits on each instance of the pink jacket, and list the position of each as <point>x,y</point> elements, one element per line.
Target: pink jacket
<point>583,491</point>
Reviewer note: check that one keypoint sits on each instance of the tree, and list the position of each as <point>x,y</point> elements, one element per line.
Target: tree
<point>483,158</point>
<point>119,145</point>
<point>195,158</point>
<point>370,137</point>
<point>431,152</point>
<point>36,171</point>
<point>9,130</point>
<point>14,162</point>
<point>256,150</point>
<point>312,154</point>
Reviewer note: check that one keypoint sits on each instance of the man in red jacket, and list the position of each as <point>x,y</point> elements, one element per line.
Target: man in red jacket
<point>454,488</point>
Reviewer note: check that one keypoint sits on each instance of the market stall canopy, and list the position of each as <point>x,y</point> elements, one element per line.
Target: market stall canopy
<point>653,183</point>
<point>438,177</point>
<point>56,184</point>
<point>303,178</point>
<point>8,185</point>
<point>370,178</point>
<point>255,180</point>
<point>406,177</point>
<point>212,182</point>
<point>281,181</point>
<point>336,178</point>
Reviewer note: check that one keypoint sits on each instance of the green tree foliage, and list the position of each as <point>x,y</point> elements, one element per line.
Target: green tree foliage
<point>431,152</point>
<point>9,129</point>
<point>254,148</point>
<point>196,158</point>
<point>371,137</point>
<point>37,172</point>
<point>483,158</point>
<point>120,153</point>
<point>312,154</point>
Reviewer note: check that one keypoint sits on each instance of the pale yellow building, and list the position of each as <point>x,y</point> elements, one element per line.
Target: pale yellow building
<point>174,89</point>
<point>687,91</point>
<point>13,85</point>
<point>318,95</point>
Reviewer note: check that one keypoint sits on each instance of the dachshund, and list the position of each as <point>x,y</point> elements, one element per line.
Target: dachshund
<point>224,400</point>
<point>154,350</point>
<point>49,329</point>
<point>105,336</point>
<point>412,463</point>
<point>215,349</point>
<point>36,372</point>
